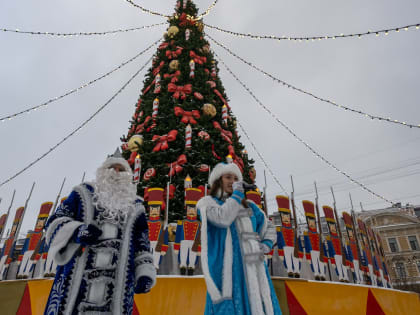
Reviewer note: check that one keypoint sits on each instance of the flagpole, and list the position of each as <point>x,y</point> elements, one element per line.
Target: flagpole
<point>23,214</point>
<point>59,193</point>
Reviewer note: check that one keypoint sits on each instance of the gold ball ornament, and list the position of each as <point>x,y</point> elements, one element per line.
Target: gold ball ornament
<point>200,26</point>
<point>252,174</point>
<point>206,49</point>
<point>134,142</point>
<point>174,65</point>
<point>172,31</point>
<point>209,110</point>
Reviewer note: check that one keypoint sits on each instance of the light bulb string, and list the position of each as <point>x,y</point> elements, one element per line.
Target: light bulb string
<point>298,138</point>
<point>77,129</point>
<point>346,108</point>
<point>75,34</point>
<point>316,38</point>
<point>45,104</point>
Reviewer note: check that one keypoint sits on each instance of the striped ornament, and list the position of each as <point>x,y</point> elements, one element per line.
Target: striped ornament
<point>188,136</point>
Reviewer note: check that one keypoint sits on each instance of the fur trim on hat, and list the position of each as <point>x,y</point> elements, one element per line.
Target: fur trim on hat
<point>115,160</point>
<point>224,168</point>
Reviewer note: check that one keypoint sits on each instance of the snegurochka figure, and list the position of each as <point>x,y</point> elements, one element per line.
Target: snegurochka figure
<point>99,238</point>
<point>235,235</point>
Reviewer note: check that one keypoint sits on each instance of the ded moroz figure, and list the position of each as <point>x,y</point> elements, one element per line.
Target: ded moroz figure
<point>99,238</point>
<point>235,235</point>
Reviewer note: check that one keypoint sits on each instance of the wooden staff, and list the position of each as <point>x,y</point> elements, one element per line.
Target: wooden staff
<point>321,242</point>
<point>292,197</point>
<point>355,227</point>
<point>343,249</point>
<point>8,213</point>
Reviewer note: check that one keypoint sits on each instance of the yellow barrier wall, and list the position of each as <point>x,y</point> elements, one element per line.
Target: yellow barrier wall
<point>186,295</point>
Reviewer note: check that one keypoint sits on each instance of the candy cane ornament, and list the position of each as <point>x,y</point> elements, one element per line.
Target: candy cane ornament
<point>213,69</point>
<point>157,84</point>
<point>137,169</point>
<point>188,137</point>
<point>155,108</point>
<point>224,114</point>
<point>187,34</point>
<point>192,68</point>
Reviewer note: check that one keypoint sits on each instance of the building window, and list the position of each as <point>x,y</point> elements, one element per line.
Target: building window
<point>413,242</point>
<point>401,274</point>
<point>393,246</point>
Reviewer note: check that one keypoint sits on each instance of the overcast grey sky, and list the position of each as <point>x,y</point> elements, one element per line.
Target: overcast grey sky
<point>379,75</point>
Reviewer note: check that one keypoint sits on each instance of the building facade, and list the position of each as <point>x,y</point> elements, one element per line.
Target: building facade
<point>399,229</point>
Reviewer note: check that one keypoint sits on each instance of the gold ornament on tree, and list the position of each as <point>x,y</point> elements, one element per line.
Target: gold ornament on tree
<point>206,49</point>
<point>135,142</point>
<point>172,31</point>
<point>200,26</point>
<point>173,65</point>
<point>209,110</point>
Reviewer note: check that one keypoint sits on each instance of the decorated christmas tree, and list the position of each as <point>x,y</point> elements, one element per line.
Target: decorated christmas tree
<point>182,125</point>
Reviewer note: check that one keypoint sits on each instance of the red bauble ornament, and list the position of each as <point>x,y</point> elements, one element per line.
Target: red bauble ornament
<point>150,172</point>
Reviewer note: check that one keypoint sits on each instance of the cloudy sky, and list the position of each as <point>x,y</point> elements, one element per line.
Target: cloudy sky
<point>378,75</point>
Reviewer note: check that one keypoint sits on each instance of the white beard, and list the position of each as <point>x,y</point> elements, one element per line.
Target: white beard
<point>114,191</point>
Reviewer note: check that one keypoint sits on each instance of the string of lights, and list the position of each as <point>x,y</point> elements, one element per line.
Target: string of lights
<point>306,39</point>
<point>298,138</point>
<point>200,16</point>
<point>346,108</point>
<point>261,158</point>
<point>45,104</point>
<point>77,129</point>
<point>80,33</point>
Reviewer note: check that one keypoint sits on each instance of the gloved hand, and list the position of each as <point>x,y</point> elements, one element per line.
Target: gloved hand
<point>87,234</point>
<point>144,284</point>
<point>238,186</point>
<point>265,248</point>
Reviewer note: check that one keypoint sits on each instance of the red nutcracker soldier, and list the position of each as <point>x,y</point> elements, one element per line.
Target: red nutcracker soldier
<point>286,238</point>
<point>375,257</point>
<point>334,245</point>
<point>354,260</point>
<point>158,236</point>
<point>313,243</point>
<point>366,253</point>
<point>28,259</point>
<point>384,269</point>
<point>9,245</point>
<point>187,240</point>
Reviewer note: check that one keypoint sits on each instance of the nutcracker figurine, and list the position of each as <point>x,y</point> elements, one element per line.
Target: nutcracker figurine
<point>6,253</point>
<point>367,263</point>
<point>375,257</point>
<point>187,239</point>
<point>158,234</point>
<point>352,249</point>
<point>34,243</point>
<point>287,249</point>
<point>314,247</point>
<point>336,254</point>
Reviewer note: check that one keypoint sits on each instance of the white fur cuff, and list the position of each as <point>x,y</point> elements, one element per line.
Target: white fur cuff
<point>61,247</point>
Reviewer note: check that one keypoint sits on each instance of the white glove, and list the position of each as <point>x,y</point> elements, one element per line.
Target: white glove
<point>264,248</point>
<point>238,186</point>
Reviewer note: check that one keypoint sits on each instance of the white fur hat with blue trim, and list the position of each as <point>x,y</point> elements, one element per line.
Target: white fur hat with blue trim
<point>224,168</point>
